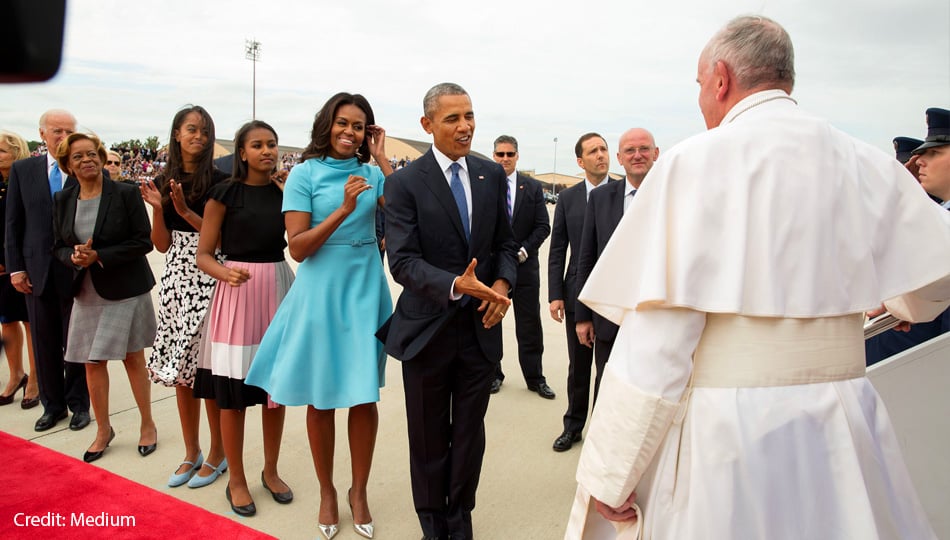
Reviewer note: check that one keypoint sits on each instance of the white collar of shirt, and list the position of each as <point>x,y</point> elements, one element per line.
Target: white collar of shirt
<point>444,164</point>
<point>49,162</point>
<point>628,188</point>
<point>591,187</point>
<point>753,101</point>
<point>946,204</point>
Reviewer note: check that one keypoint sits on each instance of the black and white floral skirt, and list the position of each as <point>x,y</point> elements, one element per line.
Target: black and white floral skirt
<point>183,301</point>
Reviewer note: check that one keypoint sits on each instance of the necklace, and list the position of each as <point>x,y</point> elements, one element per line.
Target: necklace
<point>761,101</point>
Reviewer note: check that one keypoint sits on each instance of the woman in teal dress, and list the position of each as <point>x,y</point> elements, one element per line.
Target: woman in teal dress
<point>320,349</point>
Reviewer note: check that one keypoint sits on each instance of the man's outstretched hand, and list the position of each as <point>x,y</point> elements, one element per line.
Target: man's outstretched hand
<point>494,299</point>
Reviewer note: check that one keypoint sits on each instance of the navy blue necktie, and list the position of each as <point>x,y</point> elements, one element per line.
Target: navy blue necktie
<point>460,201</point>
<point>55,179</point>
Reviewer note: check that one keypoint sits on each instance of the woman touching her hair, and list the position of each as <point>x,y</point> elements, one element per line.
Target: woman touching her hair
<point>320,350</point>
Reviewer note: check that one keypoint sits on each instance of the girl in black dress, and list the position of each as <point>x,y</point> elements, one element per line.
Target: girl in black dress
<point>244,216</point>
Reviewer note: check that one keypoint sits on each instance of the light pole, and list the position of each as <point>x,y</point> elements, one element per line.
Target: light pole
<point>554,171</point>
<point>252,51</point>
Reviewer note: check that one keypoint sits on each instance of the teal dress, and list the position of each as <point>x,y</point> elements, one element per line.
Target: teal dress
<point>320,348</point>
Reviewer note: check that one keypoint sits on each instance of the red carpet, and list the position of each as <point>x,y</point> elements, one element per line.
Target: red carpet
<point>49,495</point>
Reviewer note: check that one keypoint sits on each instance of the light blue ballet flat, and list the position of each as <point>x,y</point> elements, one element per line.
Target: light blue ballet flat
<point>202,481</point>
<point>176,480</point>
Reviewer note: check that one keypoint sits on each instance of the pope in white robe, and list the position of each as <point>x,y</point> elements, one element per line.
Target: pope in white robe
<point>735,403</point>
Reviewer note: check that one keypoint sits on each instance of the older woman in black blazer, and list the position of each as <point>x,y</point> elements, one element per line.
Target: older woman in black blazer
<point>101,230</point>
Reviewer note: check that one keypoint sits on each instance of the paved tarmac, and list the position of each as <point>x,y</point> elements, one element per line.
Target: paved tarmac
<point>525,492</point>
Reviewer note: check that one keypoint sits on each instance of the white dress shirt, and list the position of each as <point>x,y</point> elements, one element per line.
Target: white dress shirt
<point>628,192</point>
<point>445,164</point>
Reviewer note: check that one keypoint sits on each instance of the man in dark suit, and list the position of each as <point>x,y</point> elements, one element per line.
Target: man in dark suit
<point>636,153</point>
<point>450,246</point>
<point>45,281</point>
<point>592,157</point>
<point>526,209</point>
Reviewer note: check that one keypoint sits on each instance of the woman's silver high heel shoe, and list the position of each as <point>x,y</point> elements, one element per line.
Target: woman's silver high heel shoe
<point>366,530</point>
<point>329,531</point>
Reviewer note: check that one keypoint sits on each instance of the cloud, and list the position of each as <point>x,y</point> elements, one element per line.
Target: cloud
<point>535,71</point>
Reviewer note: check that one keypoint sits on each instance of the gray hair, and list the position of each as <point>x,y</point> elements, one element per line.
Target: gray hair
<point>506,139</point>
<point>757,49</point>
<point>55,112</point>
<point>431,100</point>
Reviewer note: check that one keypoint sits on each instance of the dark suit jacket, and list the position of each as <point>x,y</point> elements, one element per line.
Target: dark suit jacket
<point>427,249</point>
<point>566,232</point>
<point>29,225</point>
<point>225,163</point>
<point>121,239</point>
<point>529,224</point>
<point>3,219</point>
<point>604,210</point>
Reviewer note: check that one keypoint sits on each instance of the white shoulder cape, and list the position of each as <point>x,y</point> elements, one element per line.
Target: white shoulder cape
<point>777,214</point>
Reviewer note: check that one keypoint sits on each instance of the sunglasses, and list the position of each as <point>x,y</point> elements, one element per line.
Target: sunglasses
<point>110,162</point>
<point>505,154</point>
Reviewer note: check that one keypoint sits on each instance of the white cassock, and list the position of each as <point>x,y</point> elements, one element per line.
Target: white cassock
<point>735,402</point>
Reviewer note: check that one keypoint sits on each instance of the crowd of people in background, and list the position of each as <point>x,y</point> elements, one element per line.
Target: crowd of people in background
<point>235,327</point>
<point>141,164</point>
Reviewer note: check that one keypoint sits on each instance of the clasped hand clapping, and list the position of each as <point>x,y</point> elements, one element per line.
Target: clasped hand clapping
<point>83,254</point>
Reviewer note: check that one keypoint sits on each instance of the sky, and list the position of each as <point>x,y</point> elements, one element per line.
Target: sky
<point>534,70</point>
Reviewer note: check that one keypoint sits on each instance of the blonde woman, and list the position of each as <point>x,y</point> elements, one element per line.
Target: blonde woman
<point>12,303</point>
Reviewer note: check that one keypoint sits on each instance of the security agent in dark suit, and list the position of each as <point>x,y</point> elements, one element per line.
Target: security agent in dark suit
<point>530,225</point>
<point>447,240</point>
<point>593,158</point>
<point>929,160</point>
<point>46,283</point>
<point>636,153</point>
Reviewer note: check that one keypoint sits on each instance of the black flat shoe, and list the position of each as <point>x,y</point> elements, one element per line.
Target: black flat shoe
<point>283,498</point>
<point>8,399</point>
<point>495,386</point>
<point>566,440</point>
<point>146,449</point>
<point>89,457</point>
<point>247,510</point>
<point>48,420</point>
<point>79,420</point>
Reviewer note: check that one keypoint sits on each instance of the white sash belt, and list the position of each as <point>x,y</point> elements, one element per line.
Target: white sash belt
<point>737,351</point>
